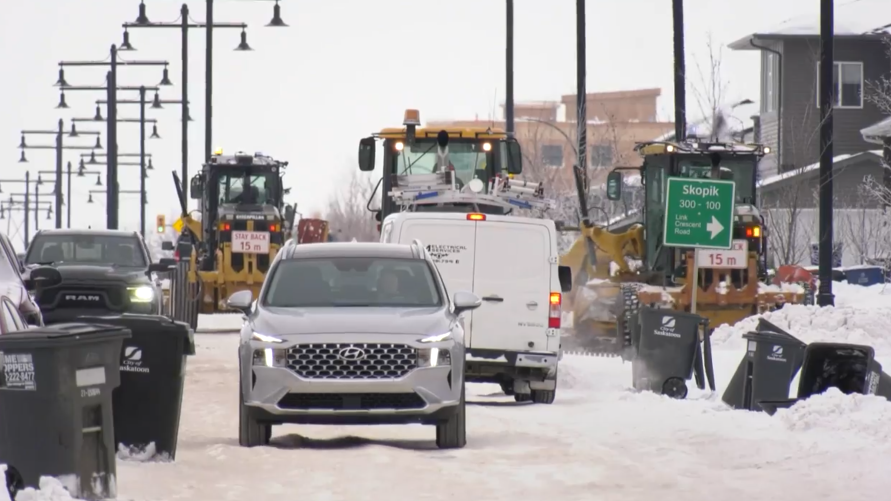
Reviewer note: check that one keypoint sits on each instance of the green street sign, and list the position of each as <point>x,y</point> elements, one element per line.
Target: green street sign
<point>699,213</point>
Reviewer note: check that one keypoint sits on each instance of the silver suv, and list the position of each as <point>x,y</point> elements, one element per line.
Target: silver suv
<point>352,333</point>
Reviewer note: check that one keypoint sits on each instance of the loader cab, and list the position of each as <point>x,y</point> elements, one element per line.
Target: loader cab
<point>732,162</point>
<point>242,196</point>
<point>472,153</point>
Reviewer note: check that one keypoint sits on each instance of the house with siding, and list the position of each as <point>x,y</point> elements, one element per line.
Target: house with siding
<point>789,116</point>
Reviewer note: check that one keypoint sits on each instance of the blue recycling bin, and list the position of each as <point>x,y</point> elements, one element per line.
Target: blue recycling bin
<point>865,275</point>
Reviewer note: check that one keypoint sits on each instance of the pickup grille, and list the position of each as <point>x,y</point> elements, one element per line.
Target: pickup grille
<point>113,297</point>
<point>352,401</point>
<point>352,360</point>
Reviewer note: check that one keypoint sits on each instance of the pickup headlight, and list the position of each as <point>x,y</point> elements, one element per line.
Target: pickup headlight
<point>141,294</point>
<point>434,357</point>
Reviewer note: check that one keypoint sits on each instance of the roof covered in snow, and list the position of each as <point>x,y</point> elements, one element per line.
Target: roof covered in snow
<point>731,120</point>
<point>853,18</point>
<point>877,132</point>
<point>839,161</point>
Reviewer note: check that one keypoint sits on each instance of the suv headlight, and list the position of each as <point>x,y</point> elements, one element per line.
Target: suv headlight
<point>263,338</point>
<point>436,338</point>
<point>434,357</point>
<point>270,357</point>
<point>141,294</point>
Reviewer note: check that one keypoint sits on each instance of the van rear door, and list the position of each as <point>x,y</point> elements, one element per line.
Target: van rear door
<point>512,274</point>
<point>450,243</point>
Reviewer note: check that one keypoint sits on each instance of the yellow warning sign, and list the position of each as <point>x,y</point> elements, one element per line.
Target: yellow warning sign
<point>178,225</point>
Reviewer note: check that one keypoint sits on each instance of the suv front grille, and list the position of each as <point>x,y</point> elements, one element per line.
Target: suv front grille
<point>352,401</point>
<point>352,360</point>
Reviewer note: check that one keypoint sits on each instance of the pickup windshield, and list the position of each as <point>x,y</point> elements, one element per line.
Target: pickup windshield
<point>86,249</point>
<point>352,281</point>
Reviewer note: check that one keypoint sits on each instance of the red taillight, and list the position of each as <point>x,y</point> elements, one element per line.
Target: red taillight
<point>476,217</point>
<point>225,227</point>
<point>176,255</point>
<point>555,312</point>
<point>378,227</point>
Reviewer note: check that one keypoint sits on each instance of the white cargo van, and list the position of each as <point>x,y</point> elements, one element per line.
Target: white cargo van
<point>512,263</point>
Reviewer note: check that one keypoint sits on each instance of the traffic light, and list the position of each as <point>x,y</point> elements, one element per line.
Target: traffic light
<point>161,223</point>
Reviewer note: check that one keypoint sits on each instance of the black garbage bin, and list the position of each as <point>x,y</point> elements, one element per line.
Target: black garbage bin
<point>55,407</point>
<point>773,357</point>
<point>666,351</point>
<point>849,367</point>
<point>148,403</point>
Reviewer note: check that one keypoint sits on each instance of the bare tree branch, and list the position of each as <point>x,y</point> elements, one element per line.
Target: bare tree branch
<point>347,215</point>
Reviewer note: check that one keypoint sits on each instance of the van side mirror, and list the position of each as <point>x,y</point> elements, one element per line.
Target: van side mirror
<point>366,154</point>
<point>514,157</point>
<point>565,274</point>
<point>196,187</point>
<point>167,245</point>
<point>614,185</point>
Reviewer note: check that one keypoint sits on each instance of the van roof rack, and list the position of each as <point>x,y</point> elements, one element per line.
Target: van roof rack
<point>411,191</point>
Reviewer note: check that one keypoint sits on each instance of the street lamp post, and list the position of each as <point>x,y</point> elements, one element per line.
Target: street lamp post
<point>680,76</point>
<point>143,170</point>
<point>27,194</point>
<point>581,91</point>
<point>111,89</point>
<point>827,76</point>
<point>11,205</point>
<point>59,147</point>
<point>184,24</point>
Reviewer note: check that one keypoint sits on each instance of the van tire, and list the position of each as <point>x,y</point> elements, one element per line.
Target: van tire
<point>522,397</point>
<point>544,396</point>
<point>452,433</point>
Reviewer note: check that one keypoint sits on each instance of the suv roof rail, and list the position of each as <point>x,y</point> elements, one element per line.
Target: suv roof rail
<point>418,248</point>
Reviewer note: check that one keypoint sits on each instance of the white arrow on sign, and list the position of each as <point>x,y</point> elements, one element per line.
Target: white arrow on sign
<point>714,227</point>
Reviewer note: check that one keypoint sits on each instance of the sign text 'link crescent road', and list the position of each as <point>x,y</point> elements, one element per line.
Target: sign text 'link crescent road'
<point>699,213</point>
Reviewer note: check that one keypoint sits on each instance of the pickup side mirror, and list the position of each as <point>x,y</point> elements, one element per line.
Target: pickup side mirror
<point>614,186</point>
<point>514,157</point>
<point>565,274</point>
<point>45,276</point>
<point>167,245</point>
<point>241,301</point>
<point>366,154</point>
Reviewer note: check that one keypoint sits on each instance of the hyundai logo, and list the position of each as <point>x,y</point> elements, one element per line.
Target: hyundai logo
<point>351,354</point>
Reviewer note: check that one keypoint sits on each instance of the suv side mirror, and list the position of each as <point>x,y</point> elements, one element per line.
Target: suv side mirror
<point>196,187</point>
<point>465,301</point>
<point>614,185</point>
<point>514,157</point>
<point>565,274</point>
<point>242,301</point>
<point>366,154</point>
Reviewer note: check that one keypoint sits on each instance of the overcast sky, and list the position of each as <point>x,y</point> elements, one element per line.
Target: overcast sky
<point>343,69</point>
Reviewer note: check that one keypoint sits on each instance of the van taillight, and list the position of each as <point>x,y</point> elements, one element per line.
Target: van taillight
<point>555,311</point>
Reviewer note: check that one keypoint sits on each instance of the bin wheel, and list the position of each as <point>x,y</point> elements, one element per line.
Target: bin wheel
<point>14,482</point>
<point>251,432</point>
<point>675,387</point>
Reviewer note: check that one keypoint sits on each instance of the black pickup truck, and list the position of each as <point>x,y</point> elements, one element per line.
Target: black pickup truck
<point>104,272</point>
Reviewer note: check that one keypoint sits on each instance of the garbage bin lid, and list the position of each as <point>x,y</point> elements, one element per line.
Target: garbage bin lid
<point>62,334</point>
<point>773,338</point>
<point>137,321</point>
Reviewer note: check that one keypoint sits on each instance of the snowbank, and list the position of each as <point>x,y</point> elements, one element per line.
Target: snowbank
<point>4,494</point>
<point>860,317</point>
<point>865,415</point>
<point>149,453</point>
<point>49,489</point>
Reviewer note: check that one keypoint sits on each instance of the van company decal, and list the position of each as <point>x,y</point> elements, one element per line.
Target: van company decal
<point>446,254</point>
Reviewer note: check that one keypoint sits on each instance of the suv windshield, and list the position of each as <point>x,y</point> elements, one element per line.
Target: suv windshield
<point>352,281</point>
<point>86,249</point>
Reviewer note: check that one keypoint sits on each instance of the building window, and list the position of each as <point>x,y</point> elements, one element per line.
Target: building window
<point>770,103</point>
<point>847,83</point>
<point>552,155</point>
<point>601,155</point>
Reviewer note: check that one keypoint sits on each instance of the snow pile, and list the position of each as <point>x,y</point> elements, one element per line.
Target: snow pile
<point>4,493</point>
<point>859,317</point>
<point>149,453</point>
<point>50,489</point>
<point>832,410</point>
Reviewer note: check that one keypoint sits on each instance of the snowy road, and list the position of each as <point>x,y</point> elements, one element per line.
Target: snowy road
<point>598,441</point>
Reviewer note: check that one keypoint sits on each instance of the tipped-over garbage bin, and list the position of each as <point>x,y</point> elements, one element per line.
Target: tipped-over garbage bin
<point>666,351</point>
<point>773,357</point>
<point>148,403</point>
<point>55,407</point>
<point>849,367</point>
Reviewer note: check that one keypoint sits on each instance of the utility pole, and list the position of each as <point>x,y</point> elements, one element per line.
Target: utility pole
<point>680,77</point>
<point>827,68</point>
<point>581,91</point>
